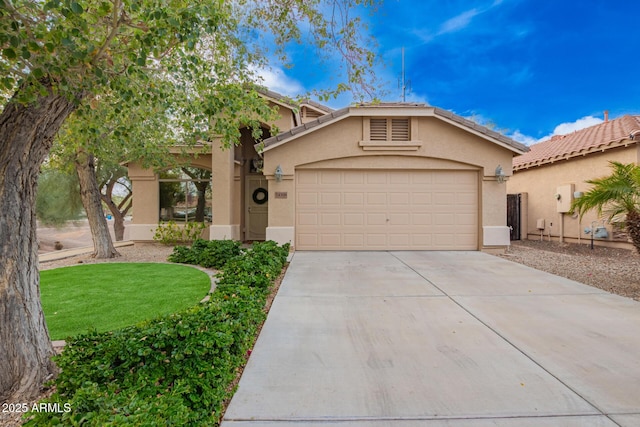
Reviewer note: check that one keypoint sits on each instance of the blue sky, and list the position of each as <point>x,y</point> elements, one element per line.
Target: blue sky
<point>531,68</point>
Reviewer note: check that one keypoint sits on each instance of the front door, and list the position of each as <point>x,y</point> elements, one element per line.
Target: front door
<point>256,207</point>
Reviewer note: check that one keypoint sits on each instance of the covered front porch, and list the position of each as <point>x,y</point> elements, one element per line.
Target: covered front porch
<point>223,188</point>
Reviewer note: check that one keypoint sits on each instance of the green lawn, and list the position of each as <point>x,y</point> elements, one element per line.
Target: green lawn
<point>113,295</point>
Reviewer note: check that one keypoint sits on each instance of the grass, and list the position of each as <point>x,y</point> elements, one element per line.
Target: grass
<point>109,296</point>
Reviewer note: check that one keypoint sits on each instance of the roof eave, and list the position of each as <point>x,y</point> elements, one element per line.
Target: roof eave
<point>412,110</point>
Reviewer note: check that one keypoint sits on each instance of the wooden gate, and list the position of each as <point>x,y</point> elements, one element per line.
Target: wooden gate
<point>513,215</point>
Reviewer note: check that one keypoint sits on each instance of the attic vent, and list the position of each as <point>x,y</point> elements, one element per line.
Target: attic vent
<point>310,114</point>
<point>399,129</point>
<point>389,129</point>
<point>378,129</point>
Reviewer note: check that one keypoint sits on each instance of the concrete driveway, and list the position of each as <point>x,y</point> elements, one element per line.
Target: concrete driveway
<point>439,339</point>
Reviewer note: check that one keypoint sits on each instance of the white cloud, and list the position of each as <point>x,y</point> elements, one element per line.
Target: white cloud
<point>522,138</point>
<point>561,129</point>
<point>276,80</point>
<point>458,22</point>
<point>568,127</point>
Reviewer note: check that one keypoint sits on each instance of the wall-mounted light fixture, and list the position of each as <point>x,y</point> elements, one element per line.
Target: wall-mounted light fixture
<point>500,176</point>
<point>278,174</point>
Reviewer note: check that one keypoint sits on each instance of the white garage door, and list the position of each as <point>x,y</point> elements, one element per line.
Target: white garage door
<point>384,210</point>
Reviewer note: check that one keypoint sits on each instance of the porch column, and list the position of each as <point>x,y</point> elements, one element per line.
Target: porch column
<point>225,225</point>
<point>146,204</point>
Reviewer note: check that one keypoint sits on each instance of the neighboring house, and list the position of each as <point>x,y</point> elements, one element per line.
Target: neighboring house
<point>366,177</point>
<point>553,172</point>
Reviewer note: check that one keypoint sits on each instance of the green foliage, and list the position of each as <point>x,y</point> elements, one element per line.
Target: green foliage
<point>58,199</point>
<point>170,233</point>
<point>207,253</point>
<point>173,370</point>
<point>615,196</point>
<point>256,267</point>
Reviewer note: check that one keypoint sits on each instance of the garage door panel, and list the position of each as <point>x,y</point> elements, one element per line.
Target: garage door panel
<point>330,178</point>
<point>466,198</point>
<point>375,177</point>
<point>421,198</point>
<point>400,199</point>
<point>377,198</point>
<point>376,219</point>
<point>400,178</point>
<point>421,240</point>
<point>444,199</point>
<point>330,219</point>
<point>330,239</point>
<point>376,240</point>
<point>356,199</point>
<point>383,210</point>
<point>400,240</point>
<point>444,219</point>
<point>424,178</point>
<point>419,219</point>
<point>399,219</point>
<point>331,199</point>
<point>305,198</point>
<point>468,219</point>
<point>309,218</point>
<point>354,240</point>
<point>353,219</point>
<point>353,177</point>
<point>307,240</point>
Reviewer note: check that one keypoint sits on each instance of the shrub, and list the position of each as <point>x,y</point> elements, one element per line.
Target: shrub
<point>207,253</point>
<point>173,370</point>
<point>170,233</point>
<point>257,267</point>
<point>216,253</point>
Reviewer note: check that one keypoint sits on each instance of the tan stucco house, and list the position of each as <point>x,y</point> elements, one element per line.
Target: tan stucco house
<point>547,178</point>
<point>367,177</point>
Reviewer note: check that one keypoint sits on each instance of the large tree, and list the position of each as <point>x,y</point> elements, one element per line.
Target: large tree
<point>616,196</point>
<point>59,55</point>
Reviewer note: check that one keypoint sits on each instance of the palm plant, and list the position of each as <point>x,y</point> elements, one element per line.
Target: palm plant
<point>615,195</point>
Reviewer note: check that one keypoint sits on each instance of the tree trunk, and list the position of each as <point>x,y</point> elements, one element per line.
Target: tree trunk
<point>202,194</point>
<point>26,136</point>
<point>92,202</point>
<point>118,215</point>
<point>633,226</point>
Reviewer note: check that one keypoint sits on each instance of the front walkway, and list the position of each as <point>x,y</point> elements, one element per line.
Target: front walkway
<point>439,339</point>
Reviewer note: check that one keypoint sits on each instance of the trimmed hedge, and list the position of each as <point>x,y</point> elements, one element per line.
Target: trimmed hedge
<point>173,370</point>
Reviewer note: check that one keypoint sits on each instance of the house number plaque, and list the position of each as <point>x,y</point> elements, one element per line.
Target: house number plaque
<point>281,194</point>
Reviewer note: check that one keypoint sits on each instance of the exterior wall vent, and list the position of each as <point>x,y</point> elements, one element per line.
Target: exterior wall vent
<point>389,129</point>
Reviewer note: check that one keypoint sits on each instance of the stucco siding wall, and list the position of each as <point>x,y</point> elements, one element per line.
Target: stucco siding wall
<point>444,147</point>
<point>541,184</point>
<point>340,142</point>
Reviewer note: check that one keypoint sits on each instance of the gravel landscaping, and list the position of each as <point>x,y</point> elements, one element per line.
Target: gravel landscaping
<point>140,252</point>
<point>613,270</point>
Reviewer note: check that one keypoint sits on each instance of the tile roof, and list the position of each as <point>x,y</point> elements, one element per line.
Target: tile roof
<point>613,133</point>
<point>403,108</point>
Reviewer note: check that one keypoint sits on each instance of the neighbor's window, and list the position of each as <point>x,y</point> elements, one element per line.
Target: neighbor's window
<point>389,129</point>
<point>185,195</point>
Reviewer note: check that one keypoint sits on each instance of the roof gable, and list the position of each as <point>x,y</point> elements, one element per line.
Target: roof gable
<point>610,134</point>
<point>391,110</point>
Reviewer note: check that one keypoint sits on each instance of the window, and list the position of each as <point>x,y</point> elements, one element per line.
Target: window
<point>185,195</point>
<point>382,129</point>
